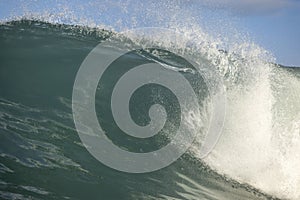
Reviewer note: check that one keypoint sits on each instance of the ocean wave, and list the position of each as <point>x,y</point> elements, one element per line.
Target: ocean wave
<point>256,157</point>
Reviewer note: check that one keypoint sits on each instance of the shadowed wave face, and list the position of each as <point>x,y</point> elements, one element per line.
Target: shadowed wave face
<point>42,156</point>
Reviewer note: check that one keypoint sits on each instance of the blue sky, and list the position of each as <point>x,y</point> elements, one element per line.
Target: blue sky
<point>278,32</point>
<point>273,24</point>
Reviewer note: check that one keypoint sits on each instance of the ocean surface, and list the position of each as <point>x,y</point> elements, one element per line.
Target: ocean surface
<point>42,156</point>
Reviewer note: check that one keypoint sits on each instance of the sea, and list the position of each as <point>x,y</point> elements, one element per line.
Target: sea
<point>44,156</point>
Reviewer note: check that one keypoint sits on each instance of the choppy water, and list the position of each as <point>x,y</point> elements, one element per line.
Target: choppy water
<point>42,156</point>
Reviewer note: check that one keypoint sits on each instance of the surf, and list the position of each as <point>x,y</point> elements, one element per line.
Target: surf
<point>256,157</point>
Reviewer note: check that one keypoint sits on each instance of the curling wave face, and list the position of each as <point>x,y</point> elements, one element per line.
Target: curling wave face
<point>257,156</point>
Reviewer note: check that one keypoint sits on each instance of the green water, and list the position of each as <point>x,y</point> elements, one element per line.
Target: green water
<point>41,155</point>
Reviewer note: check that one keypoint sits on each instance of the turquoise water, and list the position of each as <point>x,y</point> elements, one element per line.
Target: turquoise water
<point>42,156</point>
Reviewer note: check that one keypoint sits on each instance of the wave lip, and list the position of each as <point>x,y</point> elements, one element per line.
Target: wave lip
<point>149,72</point>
